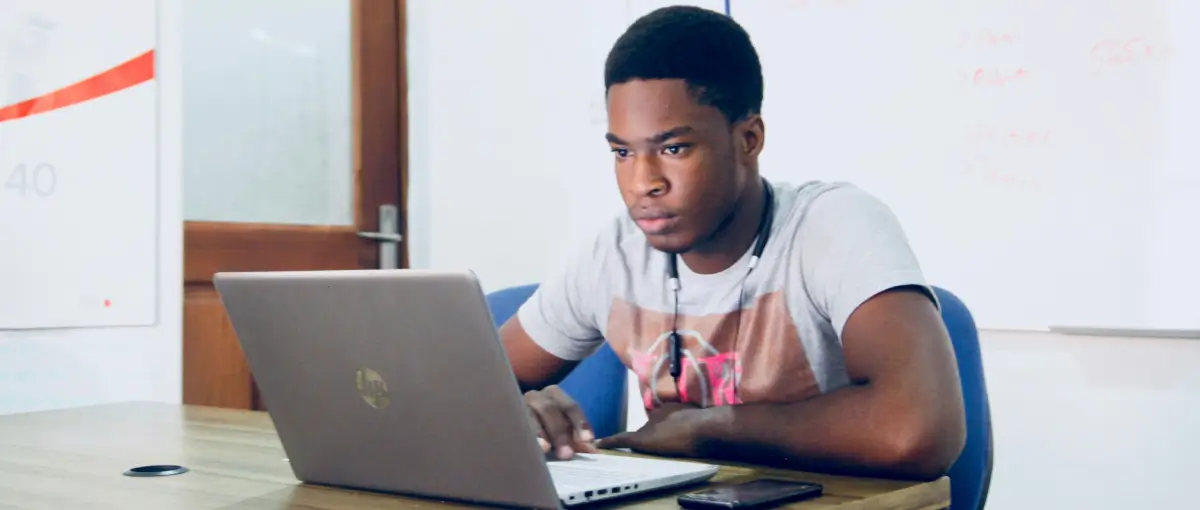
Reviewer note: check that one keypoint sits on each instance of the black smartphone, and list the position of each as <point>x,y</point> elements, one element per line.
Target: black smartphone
<point>753,494</point>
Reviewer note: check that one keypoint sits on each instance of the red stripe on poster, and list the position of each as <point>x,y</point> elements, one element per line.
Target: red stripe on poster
<point>132,72</point>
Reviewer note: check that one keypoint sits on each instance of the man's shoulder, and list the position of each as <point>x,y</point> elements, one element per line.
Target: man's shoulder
<point>616,239</point>
<point>824,202</point>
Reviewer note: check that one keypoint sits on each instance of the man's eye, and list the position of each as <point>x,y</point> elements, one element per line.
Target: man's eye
<point>621,152</point>
<point>673,150</point>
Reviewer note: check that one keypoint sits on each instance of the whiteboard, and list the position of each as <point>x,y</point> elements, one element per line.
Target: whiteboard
<point>78,163</point>
<point>1039,154</point>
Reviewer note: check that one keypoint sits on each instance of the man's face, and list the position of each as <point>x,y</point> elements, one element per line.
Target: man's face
<point>678,165</point>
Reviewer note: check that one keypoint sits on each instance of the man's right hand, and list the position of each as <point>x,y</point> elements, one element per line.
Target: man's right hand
<point>560,424</point>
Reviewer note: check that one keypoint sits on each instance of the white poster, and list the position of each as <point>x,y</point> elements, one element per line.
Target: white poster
<point>78,163</point>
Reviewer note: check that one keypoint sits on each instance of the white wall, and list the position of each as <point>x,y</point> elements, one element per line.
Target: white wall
<point>46,369</point>
<point>1079,422</point>
<point>451,197</point>
<point>1097,423</point>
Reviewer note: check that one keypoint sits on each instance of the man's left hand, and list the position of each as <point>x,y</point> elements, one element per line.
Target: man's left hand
<point>670,430</point>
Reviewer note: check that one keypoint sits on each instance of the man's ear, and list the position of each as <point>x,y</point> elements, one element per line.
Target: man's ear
<point>749,135</point>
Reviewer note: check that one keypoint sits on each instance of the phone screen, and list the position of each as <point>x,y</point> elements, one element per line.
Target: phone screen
<point>754,493</point>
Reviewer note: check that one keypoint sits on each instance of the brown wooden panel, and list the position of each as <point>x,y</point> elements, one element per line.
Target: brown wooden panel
<point>213,247</point>
<point>215,372</point>
<point>378,67</point>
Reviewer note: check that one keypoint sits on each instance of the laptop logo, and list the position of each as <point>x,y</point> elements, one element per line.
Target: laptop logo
<point>373,388</point>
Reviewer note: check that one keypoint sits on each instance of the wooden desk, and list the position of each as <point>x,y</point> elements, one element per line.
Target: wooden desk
<point>75,459</point>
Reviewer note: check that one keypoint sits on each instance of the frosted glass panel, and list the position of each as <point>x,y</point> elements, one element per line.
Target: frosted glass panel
<point>267,111</point>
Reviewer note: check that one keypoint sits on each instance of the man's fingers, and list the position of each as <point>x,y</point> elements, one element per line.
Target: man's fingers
<point>621,440</point>
<point>579,421</point>
<point>565,426</point>
<point>557,427</point>
<point>536,425</point>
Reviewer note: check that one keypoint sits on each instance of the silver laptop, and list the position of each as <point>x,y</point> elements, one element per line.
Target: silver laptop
<point>396,381</point>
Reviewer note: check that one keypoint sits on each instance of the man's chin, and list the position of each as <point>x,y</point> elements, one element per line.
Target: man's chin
<point>673,244</point>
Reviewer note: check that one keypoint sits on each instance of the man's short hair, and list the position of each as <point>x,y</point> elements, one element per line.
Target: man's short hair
<point>706,49</point>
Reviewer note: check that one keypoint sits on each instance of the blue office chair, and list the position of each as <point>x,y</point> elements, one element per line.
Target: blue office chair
<point>598,383</point>
<point>971,474</point>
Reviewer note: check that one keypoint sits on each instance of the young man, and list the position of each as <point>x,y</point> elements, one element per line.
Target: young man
<point>801,330</point>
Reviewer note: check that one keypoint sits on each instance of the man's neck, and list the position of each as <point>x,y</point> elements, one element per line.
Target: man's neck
<point>730,244</point>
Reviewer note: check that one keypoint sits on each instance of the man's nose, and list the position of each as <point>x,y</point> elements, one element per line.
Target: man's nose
<point>648,179</point>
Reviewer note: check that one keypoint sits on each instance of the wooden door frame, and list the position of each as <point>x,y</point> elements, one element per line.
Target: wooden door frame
<point>380,118</point>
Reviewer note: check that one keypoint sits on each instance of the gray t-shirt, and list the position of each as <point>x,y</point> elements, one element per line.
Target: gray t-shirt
<point>768,335</point>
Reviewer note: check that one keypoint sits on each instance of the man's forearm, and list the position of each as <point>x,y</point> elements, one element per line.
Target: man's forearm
<point>851,431</point>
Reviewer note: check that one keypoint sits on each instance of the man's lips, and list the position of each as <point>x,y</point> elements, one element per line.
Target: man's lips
<point>659,224</point>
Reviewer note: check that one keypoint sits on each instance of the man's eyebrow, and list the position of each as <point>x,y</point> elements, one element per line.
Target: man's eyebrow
<point>657,138</point>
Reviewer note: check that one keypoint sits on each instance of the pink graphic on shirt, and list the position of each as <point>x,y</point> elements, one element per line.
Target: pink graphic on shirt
<point>749,355</point>
<point>720,373</point>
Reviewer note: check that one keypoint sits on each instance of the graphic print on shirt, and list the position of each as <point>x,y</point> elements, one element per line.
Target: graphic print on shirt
<point>763,362</point>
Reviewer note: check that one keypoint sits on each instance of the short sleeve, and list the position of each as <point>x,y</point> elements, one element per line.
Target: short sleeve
<point>852,248</point>
<point>561,315</point>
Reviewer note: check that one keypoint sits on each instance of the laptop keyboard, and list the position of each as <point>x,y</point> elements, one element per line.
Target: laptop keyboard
<point>582,475</point>
<point>598,471</point>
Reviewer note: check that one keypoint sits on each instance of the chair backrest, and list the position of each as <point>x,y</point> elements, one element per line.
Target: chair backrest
<point>598,383</point>
<point>971,474</point>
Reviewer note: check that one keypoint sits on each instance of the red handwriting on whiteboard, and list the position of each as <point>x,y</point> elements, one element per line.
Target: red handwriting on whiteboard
<point>992,134</point>
<point>986,38</point>
<point>1118,52</point>
<point>996,77</point>
<point>985,168</point>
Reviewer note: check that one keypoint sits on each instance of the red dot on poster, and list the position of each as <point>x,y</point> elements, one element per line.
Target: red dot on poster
<point>107,303</point>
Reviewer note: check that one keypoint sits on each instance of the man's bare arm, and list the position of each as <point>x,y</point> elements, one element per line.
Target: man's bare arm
<point>902,417</point>
<point>534,367</point>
